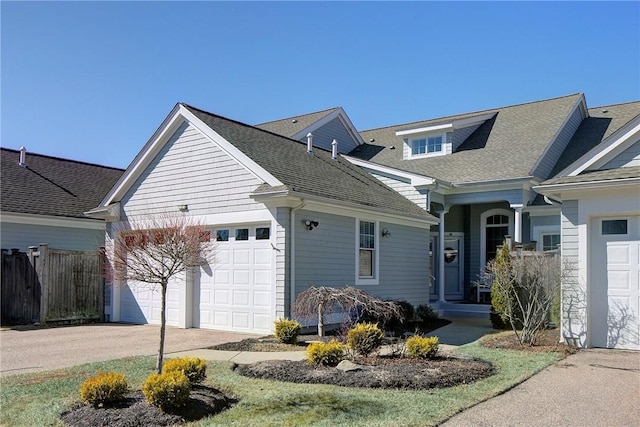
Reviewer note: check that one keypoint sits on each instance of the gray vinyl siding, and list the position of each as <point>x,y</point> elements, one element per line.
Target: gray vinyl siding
<point>282,232</point>
<point>404,187</point>
<point>460,135</point>
<point>21,236</point>
<point>544,221</point>
<point>629,157</point>
<point>404,269</point>
<point>569,230</point>
<point>574,293</point>
<point>191,170</point>
<point>555,150</point>
<point>324,136</point>
<point>515,196</point>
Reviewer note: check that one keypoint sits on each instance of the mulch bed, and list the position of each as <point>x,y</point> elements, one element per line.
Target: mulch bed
<point>548,340</point>
<point>134,411</point>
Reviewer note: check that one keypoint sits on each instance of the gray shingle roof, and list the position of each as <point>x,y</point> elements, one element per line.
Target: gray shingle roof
<point>52,186</point>
<point>601,123</point>
<point>602,175</point>
<point>507,146</point>
<point>292,125</point>
<point>314,175</point>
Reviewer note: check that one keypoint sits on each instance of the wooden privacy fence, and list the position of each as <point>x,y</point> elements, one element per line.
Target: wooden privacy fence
<point>52,285</point>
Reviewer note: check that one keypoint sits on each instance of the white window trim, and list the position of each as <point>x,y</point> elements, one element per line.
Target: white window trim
<point>483,230</point>
<point>542,230</point>
<point>376,254</point>
<point>443,149</point>
<point>614,218</point>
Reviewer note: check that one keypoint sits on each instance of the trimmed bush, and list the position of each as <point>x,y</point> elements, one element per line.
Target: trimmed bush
<point>364,338</point>
<point>325,354</point>
<point>425,312</point>
<point>104,389</point>
<point>287,331</point>
<point>167,391</point>
<point>422,347</point>
<point>194,368</point>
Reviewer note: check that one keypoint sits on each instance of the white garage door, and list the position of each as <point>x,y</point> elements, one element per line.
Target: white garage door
<point>141,303</point>
<point>615,320</point>
<point>237,293</point>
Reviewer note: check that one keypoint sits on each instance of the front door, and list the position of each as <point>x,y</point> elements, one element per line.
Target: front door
<point>453,266</point>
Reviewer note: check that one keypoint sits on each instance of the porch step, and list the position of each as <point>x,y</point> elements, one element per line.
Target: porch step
<point>452,309</point>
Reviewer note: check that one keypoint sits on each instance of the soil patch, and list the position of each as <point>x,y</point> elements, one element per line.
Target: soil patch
<point>548,340</point>
<point>376,372</point>
<point>134,411</point>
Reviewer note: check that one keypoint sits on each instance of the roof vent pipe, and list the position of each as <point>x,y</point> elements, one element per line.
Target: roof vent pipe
<point>334,150</point>
<point>23,154</point>
<point>310,143</point>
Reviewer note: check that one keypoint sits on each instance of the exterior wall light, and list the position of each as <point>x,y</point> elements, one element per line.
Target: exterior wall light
<point>386,233</point>
<point>183,208</point>
<point>310,224</point>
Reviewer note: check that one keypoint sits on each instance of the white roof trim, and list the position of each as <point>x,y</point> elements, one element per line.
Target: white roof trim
<point>453,125</point>
<point>52,221</point>
<point>178,115</point>
<point>606,150</point>
<point>415,179</point>
<point>336,113</point>
<point>550,189</point>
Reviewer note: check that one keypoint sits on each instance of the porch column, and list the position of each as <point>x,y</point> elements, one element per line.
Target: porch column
<point>517,232</point>
<point>441,214</point>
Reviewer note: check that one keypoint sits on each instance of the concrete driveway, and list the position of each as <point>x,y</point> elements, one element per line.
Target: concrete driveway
<point>32,350</point>
<point>594,387</point>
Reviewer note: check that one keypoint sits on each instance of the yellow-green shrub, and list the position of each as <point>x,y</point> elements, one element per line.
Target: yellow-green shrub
<point>325,354</point>
<point>287,331</point>
<point>422,347</point>
<point>364,338</point>
<point>193,367</point>
<point>104,389</point>
<point>169,390</point>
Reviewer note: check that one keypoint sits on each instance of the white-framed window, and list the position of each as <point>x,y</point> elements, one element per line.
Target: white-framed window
<point>547,237</point>
<point>614,226</point>
<point>495,224</point>
<point>550,241</point>
<point>367,256</point>
<point>426,145</point>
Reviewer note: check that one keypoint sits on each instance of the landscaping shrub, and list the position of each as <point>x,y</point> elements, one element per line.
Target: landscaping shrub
<point>425,312</point>
<point>104,389</point>
<point>194,368</point>
<point>325,354</point>
<point>167,391</point>
<point>422,347</point>
<point>287,331</point>
<point>364,338</point>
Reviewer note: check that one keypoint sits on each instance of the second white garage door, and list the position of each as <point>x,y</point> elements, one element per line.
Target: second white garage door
<point>236,293</point>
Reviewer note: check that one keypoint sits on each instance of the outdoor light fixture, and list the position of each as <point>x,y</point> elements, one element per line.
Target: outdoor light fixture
<point>183,208</point>
<point>386,233</point>
<point>310,224</point>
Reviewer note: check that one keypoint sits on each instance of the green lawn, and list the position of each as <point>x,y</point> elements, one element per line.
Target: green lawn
<point>38,399</point>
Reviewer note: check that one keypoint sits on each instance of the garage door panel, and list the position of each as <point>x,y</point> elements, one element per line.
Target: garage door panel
<point>240,320</point>
<point>241,256</point>
<point>221,297</point>
<point>618,254</point>
<point>262,299</point>
<point>262,257</point>
<point>262,321</point>
<point>241,298</point>
<point>618,280</point>
<point>221,277</point>
<point>262,277</point>
<point>241,277</point>
<point>221,318</point>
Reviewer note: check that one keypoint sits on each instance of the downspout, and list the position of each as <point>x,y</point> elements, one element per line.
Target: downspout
<point>292,256</point>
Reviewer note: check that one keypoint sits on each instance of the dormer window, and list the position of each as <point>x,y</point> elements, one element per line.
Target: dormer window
<point>432,144</point>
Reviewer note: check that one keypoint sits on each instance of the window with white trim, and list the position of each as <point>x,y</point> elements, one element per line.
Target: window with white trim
<point>550,241</point>
<point>426,145</point>
<point>367,257</point>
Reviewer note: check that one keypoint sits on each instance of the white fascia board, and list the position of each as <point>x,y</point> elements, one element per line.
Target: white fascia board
<point>415,179</point>
<point>582,104</point>
<point>109,213</point>
<point>555,190</point>
<point>160,137</point>
<point>606,150</point>
<point>445,127</point>
<point>496,184</point>
<point>339,113</point>
<point>471,121</point>
<point>52,221</point>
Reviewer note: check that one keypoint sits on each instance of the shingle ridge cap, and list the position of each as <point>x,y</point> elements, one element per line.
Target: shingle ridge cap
<point>250,126</point>
<point>472,113</point>
<point>31,153</point>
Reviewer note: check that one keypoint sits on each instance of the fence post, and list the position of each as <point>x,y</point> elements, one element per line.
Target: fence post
<point>43,273</point>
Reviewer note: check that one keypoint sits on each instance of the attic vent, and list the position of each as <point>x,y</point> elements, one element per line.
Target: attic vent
<point>294,121</point>
<point>23,155</point>
<point>372,140</point>
<point>310,143</point>
<point>605,111</point>
<point>334,150</point>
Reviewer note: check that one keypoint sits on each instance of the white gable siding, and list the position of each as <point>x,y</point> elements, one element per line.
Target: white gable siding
<point>555,150</point>
<point>460,135</point>
<point>21,236</point>
<point>403,187</point>
<point>630,157</point>
<point>191,170</point>
<point>324,136</point>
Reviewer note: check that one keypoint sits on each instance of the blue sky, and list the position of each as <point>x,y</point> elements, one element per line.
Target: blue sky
<point>92,81</point>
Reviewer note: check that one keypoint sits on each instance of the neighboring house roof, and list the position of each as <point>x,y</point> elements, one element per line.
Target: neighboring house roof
<point>304,174</point>
<point>292,125</point>
<point>601,124</point>
<point>52,186</point>
<point>507,146</point>
<point>602,175</point>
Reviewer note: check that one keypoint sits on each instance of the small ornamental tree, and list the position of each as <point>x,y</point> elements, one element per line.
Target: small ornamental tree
<point>154,250</point>
<point>322,300</point>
